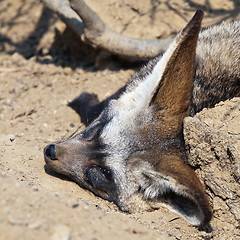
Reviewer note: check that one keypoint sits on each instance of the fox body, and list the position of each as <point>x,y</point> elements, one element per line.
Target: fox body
<point>132,152</point>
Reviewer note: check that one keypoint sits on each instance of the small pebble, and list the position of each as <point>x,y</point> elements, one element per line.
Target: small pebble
<point>7,139</point>
<point>45,51</point>
<point>11,137</point>
<point>75,205</point>
<point>61,232</point>
<point>68,71</point>
<point>34,225</point>
<point>15,221</point>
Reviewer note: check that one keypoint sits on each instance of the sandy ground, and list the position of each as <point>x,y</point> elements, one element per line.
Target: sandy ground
<point>42,68</point>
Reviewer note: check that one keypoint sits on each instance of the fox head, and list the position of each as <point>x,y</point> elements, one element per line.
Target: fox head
<point>133,152</point>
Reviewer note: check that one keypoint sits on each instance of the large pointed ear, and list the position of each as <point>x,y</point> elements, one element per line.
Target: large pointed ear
<point>176,185</point>
<point>171,99</point>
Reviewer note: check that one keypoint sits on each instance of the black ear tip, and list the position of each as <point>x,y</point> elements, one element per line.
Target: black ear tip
<point>199,12</point>
<point>206,228</point>
<point>198,16</point>
<point>208,216</point>
<point>194,25</point>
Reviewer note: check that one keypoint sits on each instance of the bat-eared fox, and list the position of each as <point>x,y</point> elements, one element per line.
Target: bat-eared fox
<point>132,151</point>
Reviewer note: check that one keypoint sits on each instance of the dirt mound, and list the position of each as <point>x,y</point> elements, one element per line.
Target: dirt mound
<point>212,139</point>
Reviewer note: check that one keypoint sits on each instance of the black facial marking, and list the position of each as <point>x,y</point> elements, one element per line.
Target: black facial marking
<point>94,130</point>
<point>100,178</point>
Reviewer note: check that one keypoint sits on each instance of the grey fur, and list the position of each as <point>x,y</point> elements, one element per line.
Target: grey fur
<point>217,75</point>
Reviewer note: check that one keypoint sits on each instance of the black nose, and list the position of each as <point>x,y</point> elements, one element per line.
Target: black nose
<point>50,152</point>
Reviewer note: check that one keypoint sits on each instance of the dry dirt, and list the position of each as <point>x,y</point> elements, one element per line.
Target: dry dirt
<point>42,68</point>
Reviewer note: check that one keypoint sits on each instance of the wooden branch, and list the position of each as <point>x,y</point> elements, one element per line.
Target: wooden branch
<point>92,30</point>
<point>67,14</point>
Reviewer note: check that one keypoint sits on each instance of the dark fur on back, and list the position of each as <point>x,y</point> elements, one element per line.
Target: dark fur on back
<point>217,75</point>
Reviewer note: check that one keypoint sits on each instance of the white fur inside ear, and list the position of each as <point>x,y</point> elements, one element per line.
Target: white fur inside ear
<point>161,184</point>
<point>140,92</point>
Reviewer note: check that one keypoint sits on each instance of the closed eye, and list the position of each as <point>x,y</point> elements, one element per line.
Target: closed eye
<point>100,178</point>
<point>105,173</point>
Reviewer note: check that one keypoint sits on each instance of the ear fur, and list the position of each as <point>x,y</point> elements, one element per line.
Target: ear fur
<point>173,182</point>
<point>161,90</point>
<point>171,99</point>
<point>176,185</point>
